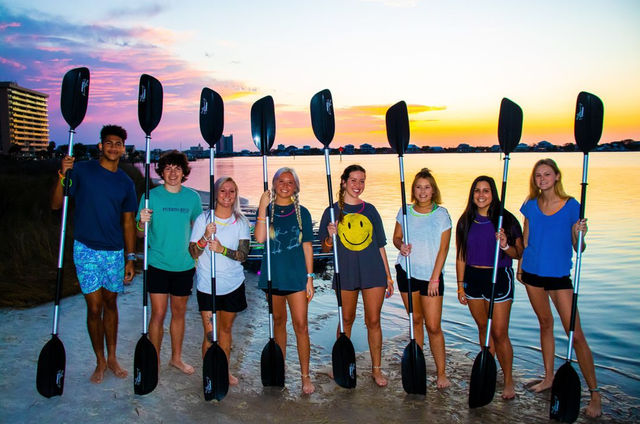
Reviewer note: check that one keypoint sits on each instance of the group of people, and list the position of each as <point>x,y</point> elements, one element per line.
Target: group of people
<point>182,237</point>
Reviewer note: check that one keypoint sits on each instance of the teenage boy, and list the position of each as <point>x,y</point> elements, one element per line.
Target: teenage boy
<point>104,229</point>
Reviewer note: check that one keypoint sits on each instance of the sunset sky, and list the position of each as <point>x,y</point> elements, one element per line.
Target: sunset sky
<point>451,61</point>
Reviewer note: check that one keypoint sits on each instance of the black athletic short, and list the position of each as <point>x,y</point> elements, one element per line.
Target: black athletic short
<point>478,282</point>
<point>276,292</point>
<point>547,283</point>
<point>236,301</point>
<point>175,283</point>
<point>416,285</point>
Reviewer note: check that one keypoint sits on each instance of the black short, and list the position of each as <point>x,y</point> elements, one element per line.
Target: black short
<point>276,292</point>
<point>478,282</point>
<point>416,285</point>
<point>236,301</point>
<point>175,283</point>
<point>547,283</point>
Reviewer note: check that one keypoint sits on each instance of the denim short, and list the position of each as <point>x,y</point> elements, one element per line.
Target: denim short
<point>98,268</point>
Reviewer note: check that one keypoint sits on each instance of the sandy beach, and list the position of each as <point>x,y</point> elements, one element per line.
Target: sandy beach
<point>179,398</point>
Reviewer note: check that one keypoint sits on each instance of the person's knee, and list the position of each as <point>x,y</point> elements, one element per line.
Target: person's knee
<point>300,326</point>
<point>546,322</point>
<point>433,328</point>
<point>349,319</point>
<point>500,334</point>
<point>178,308</point>
<point>418,320</point>
<point>372,321</point>
<point>280,320</point>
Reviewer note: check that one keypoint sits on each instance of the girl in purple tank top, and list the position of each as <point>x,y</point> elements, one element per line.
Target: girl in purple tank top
<point>476,235</point>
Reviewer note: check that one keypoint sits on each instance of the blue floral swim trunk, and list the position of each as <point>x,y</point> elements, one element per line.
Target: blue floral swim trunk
<point>98,268</point>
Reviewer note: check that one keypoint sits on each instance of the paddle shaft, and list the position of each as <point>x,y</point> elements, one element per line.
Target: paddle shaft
<point>268,246</point>
<point>578,265</point>
<point>63,236</point>
<point>494,275</point>
<point>334,238</point>
<point>145,267</point>
<point>405,236</point>
<point>212,254</point>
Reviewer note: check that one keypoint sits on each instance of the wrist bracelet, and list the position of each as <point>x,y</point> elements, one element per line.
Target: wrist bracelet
<point>200,245</point>
<point>505,248</point>
<point>461,290</point>
<point>131,256</point>
<point>224,251</point>
<point>311,274</point>
<point>138,226</point>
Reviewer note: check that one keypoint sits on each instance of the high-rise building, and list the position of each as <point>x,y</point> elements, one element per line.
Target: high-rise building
<point>24,119</point>
<point>225,145</point>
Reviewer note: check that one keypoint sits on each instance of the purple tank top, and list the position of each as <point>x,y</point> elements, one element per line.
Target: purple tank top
<point>481,244</point>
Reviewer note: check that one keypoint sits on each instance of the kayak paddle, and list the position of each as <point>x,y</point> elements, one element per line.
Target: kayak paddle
<point>414,372</point>
<point>565,390</point>
<point>145,360</point>
<point>263,130</point>
<point>215,367</point>
<point>74,97</point>
<point>482,386</point>
<point>343,355</point>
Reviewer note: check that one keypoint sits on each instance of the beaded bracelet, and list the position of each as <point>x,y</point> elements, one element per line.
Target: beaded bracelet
<point>138,226</point>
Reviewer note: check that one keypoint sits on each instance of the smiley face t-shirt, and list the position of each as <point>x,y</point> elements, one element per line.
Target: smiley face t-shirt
<point>360,237</point>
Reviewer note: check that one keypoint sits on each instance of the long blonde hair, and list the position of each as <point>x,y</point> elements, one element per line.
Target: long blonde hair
<point>535,192</point>
<point>295,199</point>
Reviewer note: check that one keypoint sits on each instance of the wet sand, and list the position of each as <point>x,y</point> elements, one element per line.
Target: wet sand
<point>179,398</point>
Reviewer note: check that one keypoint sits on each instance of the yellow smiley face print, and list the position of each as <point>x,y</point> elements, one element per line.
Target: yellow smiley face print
<point>355,231</point>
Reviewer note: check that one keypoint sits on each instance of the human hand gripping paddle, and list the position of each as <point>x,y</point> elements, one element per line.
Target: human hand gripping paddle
<point>215,367</point>
<point>414,373</point>
<point>74,97</point>
<point>263,131</point>
<point>343,355</point>
<point>145,360</point>
<point>565,390</point>
<point>482,386</point>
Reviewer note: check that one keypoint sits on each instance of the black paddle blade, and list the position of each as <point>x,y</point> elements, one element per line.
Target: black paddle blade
<point>215,373</point>
<point>145,367</point>
<point>588,124</point>
<point>211,116</point>
<point>322,118</point>
<point>74,96</point>
<point>149,103</point>
<point>343,358</point>
<point>483,380</point>
<point>272,365</point>
<point>51,367</point>
<point>509,125</point>
<point>414,370</point>
<point>565,395</point>
<point>398,127</point>
<point>263,124</point>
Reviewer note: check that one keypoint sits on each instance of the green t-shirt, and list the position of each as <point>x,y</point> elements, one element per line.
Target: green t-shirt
<point>170,227</point>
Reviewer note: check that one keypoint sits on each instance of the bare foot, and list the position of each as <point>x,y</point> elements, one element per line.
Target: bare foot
<point>98,373</point>
<point>185,368</point>
<point>233,380</point>
<point>442,382</point>
<point>378,377</point>
<point>508,392</point>
<point>307,385</point>
<point>542,386</point>
<point>594,408</point>
<point>115,367</point>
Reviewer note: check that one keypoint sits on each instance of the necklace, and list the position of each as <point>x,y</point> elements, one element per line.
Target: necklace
<point>479,222</point>
<point>282,214</point>
<point>224,224</point>
<point>359,210</point>
<point>420,215</point>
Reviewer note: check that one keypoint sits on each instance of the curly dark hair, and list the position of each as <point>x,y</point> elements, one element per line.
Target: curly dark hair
<point>176,158</point>
<point>116,130</point>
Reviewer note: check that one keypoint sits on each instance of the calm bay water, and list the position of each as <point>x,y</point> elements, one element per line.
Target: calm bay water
<point>609,298</point>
